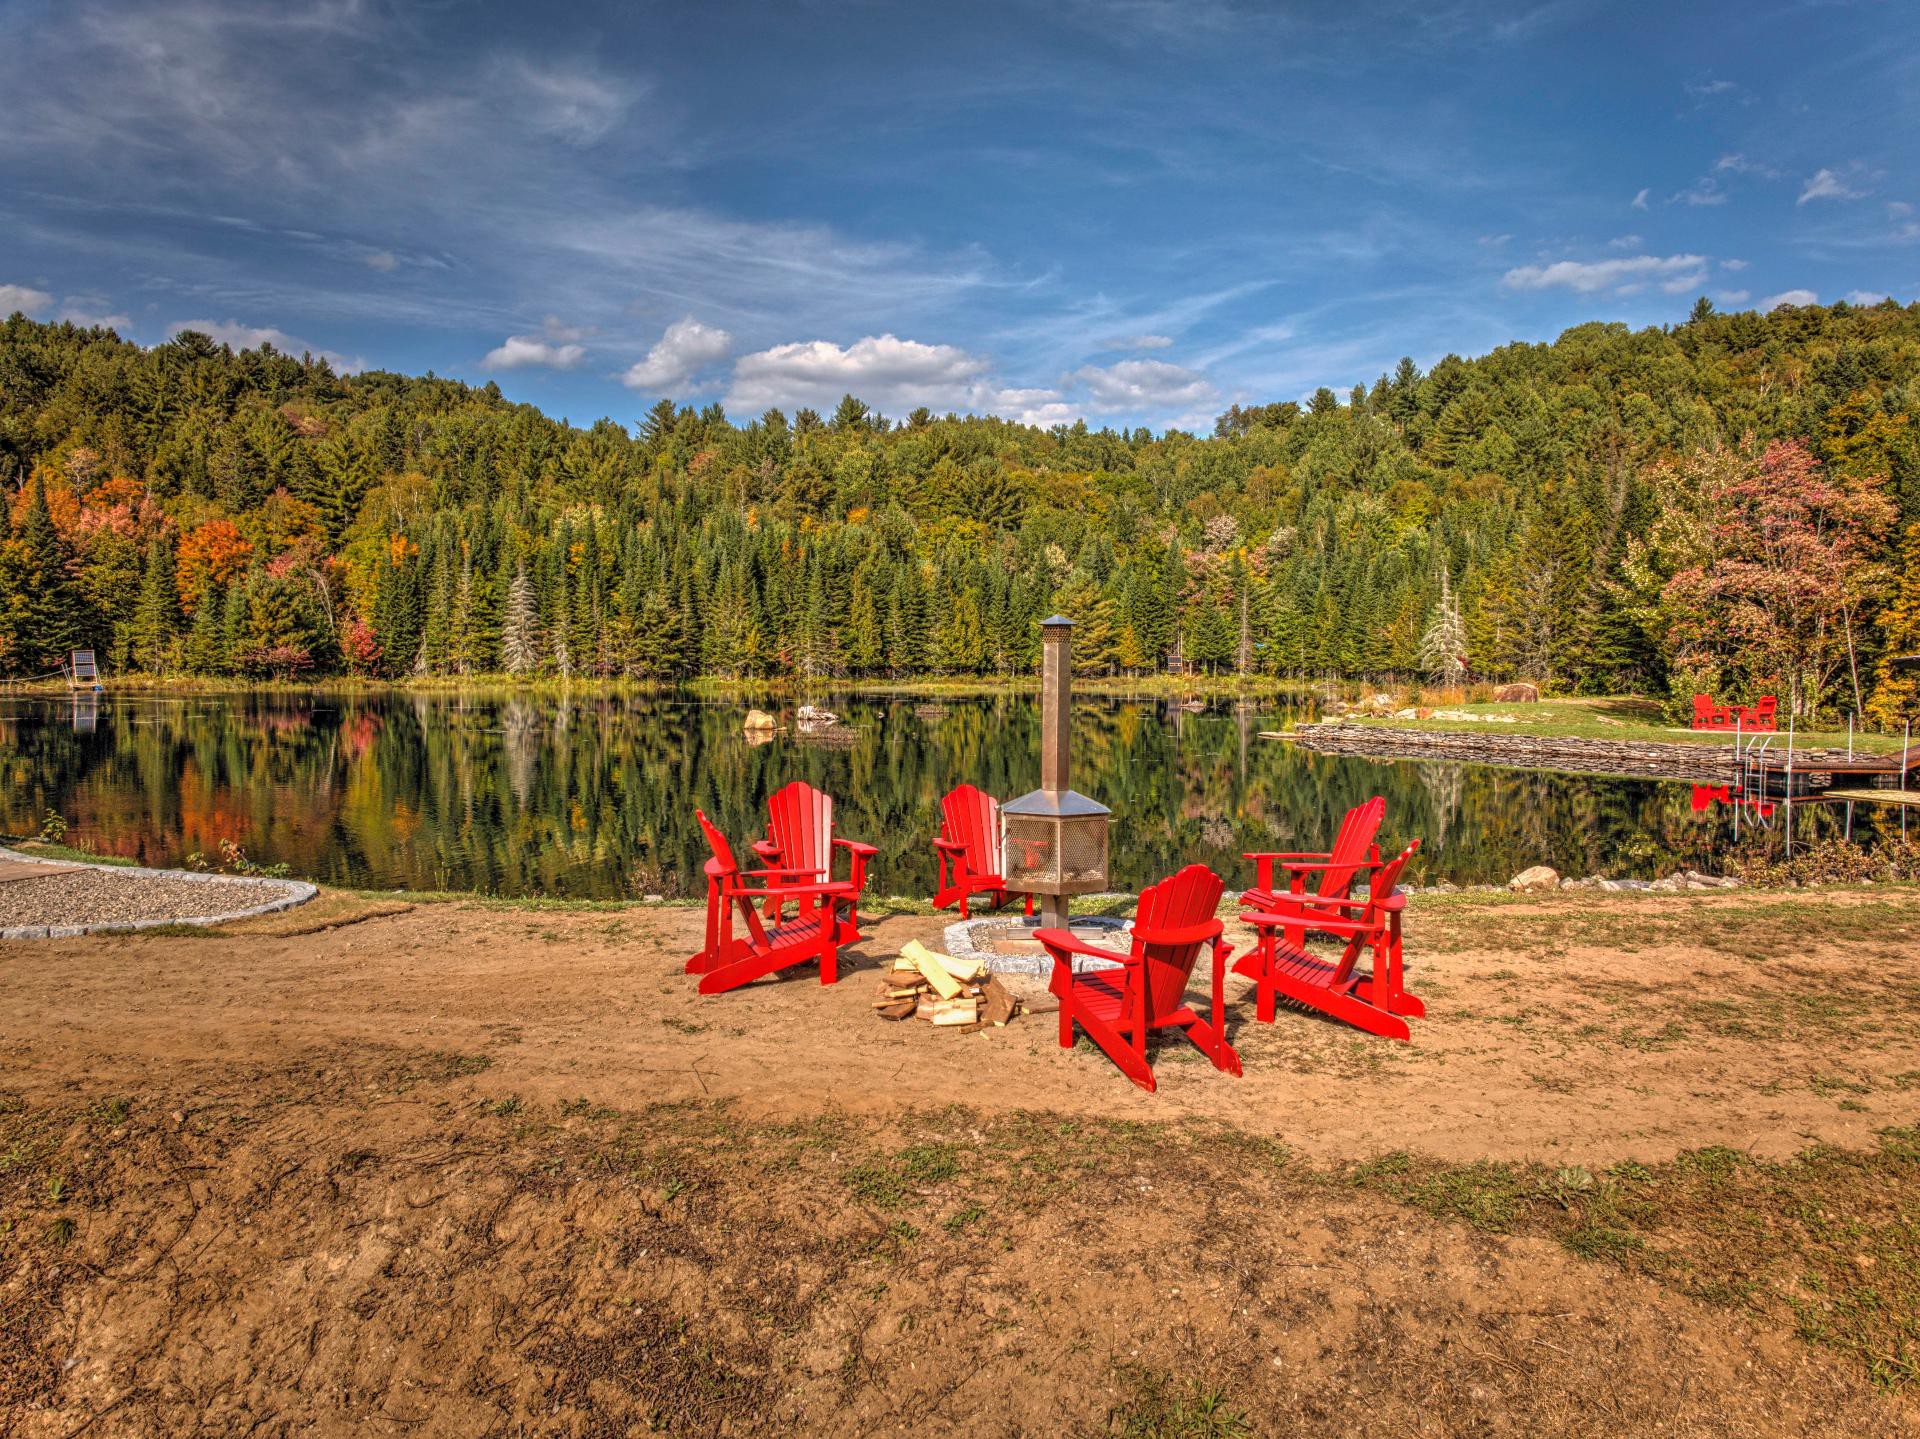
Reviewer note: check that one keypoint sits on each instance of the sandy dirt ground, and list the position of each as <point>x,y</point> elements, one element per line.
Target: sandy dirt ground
<point>368,1167</point>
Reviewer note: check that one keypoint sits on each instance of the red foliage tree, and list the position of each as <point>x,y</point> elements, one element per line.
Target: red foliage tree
<point>1789,548</point>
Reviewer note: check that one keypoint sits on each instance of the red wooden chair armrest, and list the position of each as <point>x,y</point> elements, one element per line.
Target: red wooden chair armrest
<point>951,846</point>
<point>1060,943</point>
<point>778,871</point>
<point>1325,923</point>
<point>766,849</point>
<point>854,846</point>
<point>1287,854</point>
<point>839,888</point>
<point>1356,865</point>
<point>1200,933</point>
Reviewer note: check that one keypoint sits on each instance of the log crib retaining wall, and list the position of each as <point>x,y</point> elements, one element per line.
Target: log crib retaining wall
<point>1630,758</point>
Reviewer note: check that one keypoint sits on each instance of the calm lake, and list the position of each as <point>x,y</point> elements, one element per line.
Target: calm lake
<point>594,797</point>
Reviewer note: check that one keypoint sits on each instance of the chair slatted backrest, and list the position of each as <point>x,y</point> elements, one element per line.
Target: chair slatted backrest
<point>800,822</point>
<point>1178,902</point>
<point>729,869</point>
<point>971,818</point>
<point>1385,879</point>
<point>1350,846</point>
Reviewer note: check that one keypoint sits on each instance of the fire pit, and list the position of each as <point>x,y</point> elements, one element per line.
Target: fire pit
<point>1055,838</point>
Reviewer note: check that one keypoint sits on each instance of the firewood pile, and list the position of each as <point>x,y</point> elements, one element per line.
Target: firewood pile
<point>950,993</point>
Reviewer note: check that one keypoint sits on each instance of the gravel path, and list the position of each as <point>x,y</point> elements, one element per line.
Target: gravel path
<point>110,897</point>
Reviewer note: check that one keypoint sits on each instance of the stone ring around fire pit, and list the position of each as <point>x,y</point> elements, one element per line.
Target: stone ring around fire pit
<point>1006,945</point>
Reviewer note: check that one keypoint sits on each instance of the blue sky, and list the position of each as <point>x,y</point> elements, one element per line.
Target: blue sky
<point>1137,212</point>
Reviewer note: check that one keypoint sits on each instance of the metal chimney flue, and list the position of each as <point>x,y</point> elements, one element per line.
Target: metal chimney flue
<point>1054,838</point>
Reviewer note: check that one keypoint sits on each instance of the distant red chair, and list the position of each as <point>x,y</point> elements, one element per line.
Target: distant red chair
<point>1353,850</point>
<point>1377,1000</point>
<point>969,852</point>
<point>1120,1007</point>
<point>1709,716</point>
<point>799,847</point>
<point>1761,716</point>
<point>727,961</point>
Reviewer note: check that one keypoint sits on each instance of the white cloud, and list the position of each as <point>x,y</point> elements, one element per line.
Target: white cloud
<point>1735,265</point>
<point>250,337</point>
<point>1625,242</point>
<point>1897,208</point>
<point>1732,297</point>
<point>884,370</point>
<point>1707,89</point>
<point>686,347</point>
<point>1789,297</point>
<point>1704,191</point>
<point>1136,385</point>
<point>25,299</point>
<point>1674,272</point>
<point>1494,242</point>
<point>1866,297</point>
<point>89,319</point>
<point>1741,165</point>
<point>890,374</point>
<point>1139,342</point>
<point>1827,184</point>
<point>384,261</point>
<point>239,336</point>
<point>518,352</point>
<point>1639,201</point>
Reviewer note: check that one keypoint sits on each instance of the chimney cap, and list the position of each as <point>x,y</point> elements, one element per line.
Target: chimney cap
<point>1056,622</point>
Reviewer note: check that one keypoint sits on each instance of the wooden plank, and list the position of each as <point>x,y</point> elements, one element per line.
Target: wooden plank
<point>11,869</point>
<point>1881,796</point>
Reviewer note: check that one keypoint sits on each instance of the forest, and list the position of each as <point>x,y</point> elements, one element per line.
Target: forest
<point>1729,504</point>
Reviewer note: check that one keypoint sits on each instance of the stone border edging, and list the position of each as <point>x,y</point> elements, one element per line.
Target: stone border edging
<point>298,892</point>
<point>959,941</point>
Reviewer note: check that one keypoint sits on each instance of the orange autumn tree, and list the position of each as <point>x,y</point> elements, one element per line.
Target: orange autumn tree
<point>209,556</point>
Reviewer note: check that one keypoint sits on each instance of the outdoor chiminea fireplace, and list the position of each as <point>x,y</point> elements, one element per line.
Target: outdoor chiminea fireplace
<point>1054,839</point>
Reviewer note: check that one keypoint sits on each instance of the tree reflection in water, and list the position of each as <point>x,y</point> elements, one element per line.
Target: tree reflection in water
<point>594,797</point>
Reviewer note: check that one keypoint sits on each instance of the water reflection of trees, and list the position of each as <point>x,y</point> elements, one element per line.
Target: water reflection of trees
<point>596,796</point>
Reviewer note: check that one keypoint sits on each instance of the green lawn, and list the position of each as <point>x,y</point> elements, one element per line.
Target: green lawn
<point>1621,717</point>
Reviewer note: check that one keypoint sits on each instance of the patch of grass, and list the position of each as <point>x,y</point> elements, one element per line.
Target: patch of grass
<point>1828,1242</point>
<point>111,1111</point>
<point>961,1220</point>
<point>1159,1405</point>
<point>683,1026</point>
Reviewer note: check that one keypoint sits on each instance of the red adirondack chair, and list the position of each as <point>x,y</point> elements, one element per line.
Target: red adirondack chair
<point>1376,1001</point>
<point>1763,714</point>
<point>1353,850</point>
<point>1707,715</point>
<point>1119,1008</point>
<point>968,849</point>
<point>730,960</point>
<point>799,847</point>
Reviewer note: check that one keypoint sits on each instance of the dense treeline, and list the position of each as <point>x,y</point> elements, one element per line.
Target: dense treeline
<point>1595,513</point>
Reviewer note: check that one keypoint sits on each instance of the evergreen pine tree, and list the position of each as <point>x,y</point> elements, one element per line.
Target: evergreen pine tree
<point>156,620</point>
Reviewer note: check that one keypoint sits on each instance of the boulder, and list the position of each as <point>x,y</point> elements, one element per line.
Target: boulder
<point>813,714</point>
<point>1538,878</point>
<point>759,721</point>
<point>1517,694</point>
<point>1406,714</point>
